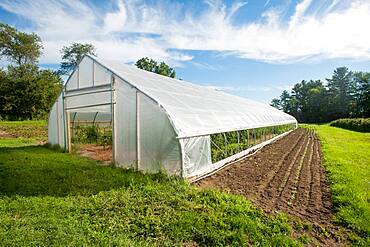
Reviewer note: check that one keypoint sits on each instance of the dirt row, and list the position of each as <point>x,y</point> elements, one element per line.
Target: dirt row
<point>4,134</point>
<point>96,152</point>
<point>285,176</point>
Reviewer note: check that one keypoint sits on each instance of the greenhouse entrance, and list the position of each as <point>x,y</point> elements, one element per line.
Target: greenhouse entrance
<point>84,113</point>
<point>91,135</point>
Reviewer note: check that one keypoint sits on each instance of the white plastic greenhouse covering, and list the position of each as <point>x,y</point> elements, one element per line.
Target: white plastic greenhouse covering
<point>159,123</point>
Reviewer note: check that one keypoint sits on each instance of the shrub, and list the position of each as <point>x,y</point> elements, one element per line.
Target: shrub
<point>356,124</point>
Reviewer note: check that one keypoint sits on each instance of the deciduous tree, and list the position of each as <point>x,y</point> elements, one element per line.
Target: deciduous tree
<point>72,55</point>
<point>151,65</point>
<point>26,92</point>
<point>18,47</point>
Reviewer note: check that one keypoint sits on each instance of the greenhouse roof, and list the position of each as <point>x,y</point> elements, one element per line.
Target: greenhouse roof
<point>196,110</point>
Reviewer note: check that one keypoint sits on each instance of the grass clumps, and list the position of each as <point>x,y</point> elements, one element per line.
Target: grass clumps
<point>356,124</point>
<point>55,198</point>
<point>347,161</point>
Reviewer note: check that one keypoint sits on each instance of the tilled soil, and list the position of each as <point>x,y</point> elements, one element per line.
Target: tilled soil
<point>4,134</point>
<point>284,176</point>
<point>96,152</point>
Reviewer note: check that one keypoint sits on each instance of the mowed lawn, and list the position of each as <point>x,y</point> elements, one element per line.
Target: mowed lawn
<point>53,198</point>
<point>347,161</point>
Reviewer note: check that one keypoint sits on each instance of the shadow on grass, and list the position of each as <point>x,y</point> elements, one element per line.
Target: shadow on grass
<point>37,170</point>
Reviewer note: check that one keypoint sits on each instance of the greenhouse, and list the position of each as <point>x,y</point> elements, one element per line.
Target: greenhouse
<point>155,123</point>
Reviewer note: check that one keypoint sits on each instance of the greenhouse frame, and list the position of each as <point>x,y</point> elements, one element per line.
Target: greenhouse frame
<point>160,123</point>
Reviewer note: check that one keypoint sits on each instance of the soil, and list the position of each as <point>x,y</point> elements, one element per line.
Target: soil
<point>96,152</point>
<point>285,176</point>
<point>4,134</point>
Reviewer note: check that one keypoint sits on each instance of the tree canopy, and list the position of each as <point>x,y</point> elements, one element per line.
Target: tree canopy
<point>346,94</point>
<point>19,47</point>
<point>151,65</point>
<point>72,55</point>
<point>26,91</point>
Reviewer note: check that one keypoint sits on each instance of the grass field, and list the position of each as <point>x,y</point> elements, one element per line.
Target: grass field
<point>54,198</point>
<point>347,161</point>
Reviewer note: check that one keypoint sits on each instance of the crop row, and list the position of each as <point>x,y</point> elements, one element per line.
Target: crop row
<point>226,144</point>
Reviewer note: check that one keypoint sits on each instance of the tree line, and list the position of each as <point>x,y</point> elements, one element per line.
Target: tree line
<point>345,95</point>
<point>28,91</point>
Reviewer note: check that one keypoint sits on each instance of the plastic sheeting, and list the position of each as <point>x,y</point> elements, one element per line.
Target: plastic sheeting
<point>88,74</point>
<point>72,82</point>
<point>56,124</point>
<point>101,75</point>
<point>91,117</point>
<point>125,122</point>
<point>158,147</point>
<point>197,110</point>
<point>196,152</point>
<point>87,100</point>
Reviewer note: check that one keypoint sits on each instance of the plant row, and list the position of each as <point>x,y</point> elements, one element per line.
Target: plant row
<point>227,144</point>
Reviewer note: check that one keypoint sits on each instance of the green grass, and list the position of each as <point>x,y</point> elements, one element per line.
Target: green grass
<point>347,161</point>
<point>54,198</point>
<point>19,142</point>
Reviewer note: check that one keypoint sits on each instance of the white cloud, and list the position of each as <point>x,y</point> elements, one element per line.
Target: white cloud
<point>165,30</point>
<point>115,21</point>
<point>60,23</point>
<point>300,10</point>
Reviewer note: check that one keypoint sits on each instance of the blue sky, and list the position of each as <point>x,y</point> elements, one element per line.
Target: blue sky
<point>254,48</point>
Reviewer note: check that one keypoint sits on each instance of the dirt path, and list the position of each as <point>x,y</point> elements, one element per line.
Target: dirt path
<point>285,176</point>
<point>96,152</point>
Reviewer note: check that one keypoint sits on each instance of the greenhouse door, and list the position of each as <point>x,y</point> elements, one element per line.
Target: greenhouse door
<point>88,103</point>
<point>89,122</point>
